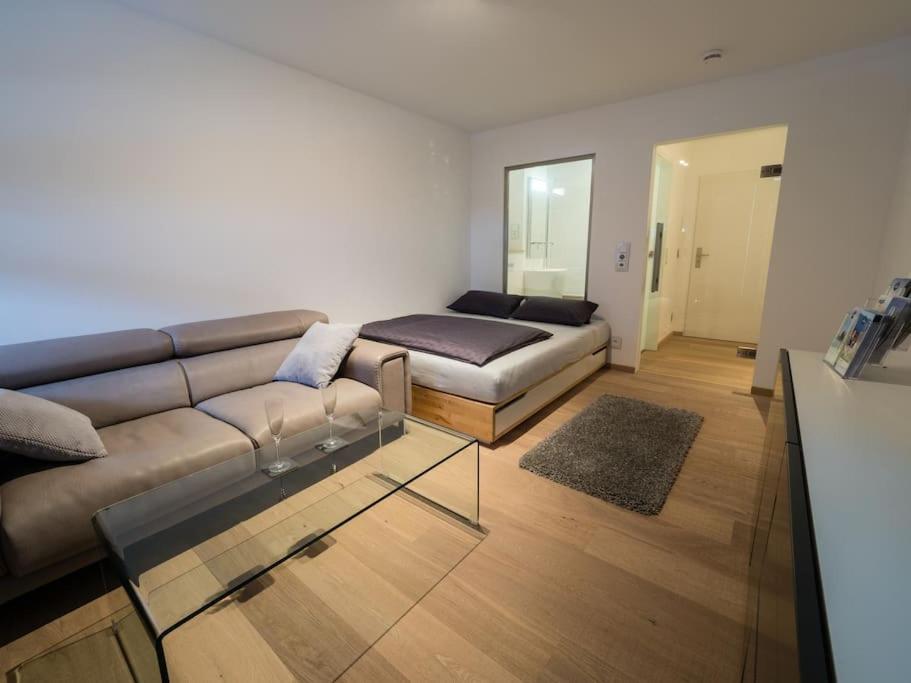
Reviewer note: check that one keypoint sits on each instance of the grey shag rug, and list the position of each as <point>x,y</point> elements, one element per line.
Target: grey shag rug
<point>621,450</point>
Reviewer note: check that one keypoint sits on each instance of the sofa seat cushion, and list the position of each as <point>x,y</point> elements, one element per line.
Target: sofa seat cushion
<point>47,514</point>
<point>303,407</point>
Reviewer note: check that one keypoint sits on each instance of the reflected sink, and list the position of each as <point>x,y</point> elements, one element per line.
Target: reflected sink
<point>544,282</point>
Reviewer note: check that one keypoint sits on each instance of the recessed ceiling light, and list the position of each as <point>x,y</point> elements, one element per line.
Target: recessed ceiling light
<point>538,185</point>
<point>683,162</point>
<point>713,55</point>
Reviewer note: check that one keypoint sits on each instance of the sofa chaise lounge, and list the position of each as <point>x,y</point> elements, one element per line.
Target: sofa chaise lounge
<point>166,403</point>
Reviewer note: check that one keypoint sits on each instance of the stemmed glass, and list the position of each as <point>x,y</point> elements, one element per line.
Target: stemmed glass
<point>275,416</point>
<point>329,394</point>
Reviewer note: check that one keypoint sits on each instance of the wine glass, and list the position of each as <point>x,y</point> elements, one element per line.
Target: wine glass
<point>275,416</point>
<point>329,394</point>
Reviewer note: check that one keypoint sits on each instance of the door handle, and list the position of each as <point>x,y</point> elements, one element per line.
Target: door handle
<point>699,256</point>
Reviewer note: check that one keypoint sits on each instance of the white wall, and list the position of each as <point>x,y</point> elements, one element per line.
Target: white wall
<point>895,249</point>
<point>895,252</point>
<point>846,116</point>
<point>152,176</point>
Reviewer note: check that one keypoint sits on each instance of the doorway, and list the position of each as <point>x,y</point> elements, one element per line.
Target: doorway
<point>711,222</point>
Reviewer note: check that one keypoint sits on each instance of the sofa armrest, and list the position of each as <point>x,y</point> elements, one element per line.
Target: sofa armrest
<point>384,367</point>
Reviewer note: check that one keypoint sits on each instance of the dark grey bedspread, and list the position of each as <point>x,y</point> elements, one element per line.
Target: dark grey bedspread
<point>473,340</point>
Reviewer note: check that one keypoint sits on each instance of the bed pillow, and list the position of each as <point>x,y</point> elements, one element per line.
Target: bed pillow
<point>44,430</point>
<point>319,353</point>
<point>546,309</point>
<point>494,304</point>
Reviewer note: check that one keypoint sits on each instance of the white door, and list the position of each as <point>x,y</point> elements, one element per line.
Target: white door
<point>735,219</point>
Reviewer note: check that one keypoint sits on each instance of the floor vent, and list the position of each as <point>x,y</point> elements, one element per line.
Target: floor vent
<point>746,352</point>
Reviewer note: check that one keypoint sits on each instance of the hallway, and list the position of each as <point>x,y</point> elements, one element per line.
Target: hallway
<point>701,360</point>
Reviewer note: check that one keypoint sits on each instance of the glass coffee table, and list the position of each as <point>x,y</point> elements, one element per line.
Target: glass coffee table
<point>193,548</point>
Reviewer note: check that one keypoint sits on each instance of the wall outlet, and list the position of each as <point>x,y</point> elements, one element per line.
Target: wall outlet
<point>621,257</point>
<point>616,342</point>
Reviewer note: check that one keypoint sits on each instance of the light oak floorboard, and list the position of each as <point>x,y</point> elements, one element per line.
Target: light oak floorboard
<point>569,587</point>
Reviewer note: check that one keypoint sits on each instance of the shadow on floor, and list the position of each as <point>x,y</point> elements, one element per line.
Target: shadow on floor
<point>43,605</point>
<point>523,427</point>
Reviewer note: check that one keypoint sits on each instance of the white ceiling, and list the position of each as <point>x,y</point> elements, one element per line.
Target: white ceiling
<point>479,64</point>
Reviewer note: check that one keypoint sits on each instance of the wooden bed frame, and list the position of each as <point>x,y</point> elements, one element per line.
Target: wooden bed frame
<point>487,422</point>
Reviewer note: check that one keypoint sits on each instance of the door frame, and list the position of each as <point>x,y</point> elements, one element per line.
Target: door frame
<point>693,139</point>
<point>591,203</point>
<point>651,220</point>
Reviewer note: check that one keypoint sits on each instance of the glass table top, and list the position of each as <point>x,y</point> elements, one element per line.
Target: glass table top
<point>184,546</point>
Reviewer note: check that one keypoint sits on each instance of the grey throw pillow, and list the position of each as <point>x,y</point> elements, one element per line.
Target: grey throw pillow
<point>44,430</point>
<point>318,354</point>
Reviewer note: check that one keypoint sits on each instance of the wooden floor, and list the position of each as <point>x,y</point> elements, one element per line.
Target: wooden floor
<point>568,587</point>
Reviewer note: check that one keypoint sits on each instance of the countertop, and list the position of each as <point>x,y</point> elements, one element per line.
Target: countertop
<point>856,439</point>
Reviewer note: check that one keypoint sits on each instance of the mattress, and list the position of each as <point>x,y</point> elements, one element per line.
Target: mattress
<point>506,376</point>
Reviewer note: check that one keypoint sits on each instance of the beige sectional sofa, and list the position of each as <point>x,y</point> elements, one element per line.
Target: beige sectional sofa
<point>165,403</point>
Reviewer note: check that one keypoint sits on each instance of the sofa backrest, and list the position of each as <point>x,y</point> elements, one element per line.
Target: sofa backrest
<point>118,376</point>
<point>219,356</point>
<point>213,374</point>
<point>53,360</point>
<point>113,397</point>
<point>208,336</point>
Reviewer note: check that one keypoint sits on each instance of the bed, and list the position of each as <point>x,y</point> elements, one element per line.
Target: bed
<point>488,399</point>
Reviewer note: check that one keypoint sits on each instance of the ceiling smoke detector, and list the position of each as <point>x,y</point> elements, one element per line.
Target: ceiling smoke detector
<point>712,56</point>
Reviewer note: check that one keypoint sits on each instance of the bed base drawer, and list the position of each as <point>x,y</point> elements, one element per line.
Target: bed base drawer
<point>487,422</point>
<point>458,413</point>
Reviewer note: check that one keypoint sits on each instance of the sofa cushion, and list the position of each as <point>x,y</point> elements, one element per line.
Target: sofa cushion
<point>318,354</point>
<point>213,374</point>
<point>47,515</point>
<point>122,395</point>
<point>44,430</point>
<point>13,466</point>
<point>207,336</point>
<point>303,407</point>
<point>53,360</point>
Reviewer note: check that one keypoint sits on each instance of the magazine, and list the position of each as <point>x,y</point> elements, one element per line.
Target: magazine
<point>859,342</point>
<point>900,287</point>
<point>839,339</point>
<point>896,326</point>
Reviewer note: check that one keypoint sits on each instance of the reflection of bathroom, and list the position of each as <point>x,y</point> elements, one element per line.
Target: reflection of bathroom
<point>547,229</point>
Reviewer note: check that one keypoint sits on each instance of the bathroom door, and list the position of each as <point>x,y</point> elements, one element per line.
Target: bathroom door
<point>735,219</point>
